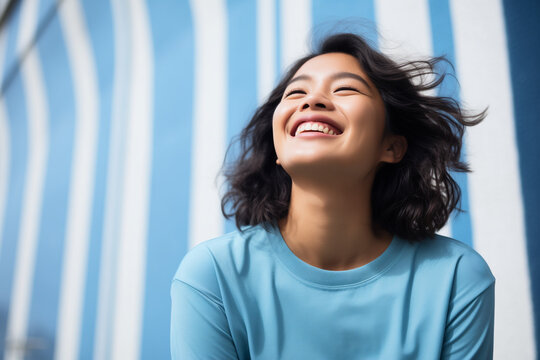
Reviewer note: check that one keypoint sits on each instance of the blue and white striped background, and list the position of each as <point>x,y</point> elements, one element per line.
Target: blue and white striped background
<point>114,120</point>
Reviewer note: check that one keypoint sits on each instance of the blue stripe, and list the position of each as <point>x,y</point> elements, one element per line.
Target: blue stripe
<point>330,17</point>
<point>242,72</point>
<point>169,202</point>
<point>50,246</point>
<point>16,110</point>
<point>46,8</point>
<point>523,37</point>
<point>99,20</point>
<point>443,44</point>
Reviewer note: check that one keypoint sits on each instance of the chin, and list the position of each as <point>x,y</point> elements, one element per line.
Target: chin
<point>314,164</point>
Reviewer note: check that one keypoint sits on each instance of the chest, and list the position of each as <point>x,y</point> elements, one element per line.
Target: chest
<point>274,317</point>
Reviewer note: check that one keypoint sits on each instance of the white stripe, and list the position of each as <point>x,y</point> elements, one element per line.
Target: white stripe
<point>5,142</point>
<point>27,25</point>
<point>295,30</point>
<point>209,118</point>
<point>446,230</point>
<point>266,48</point>
<point>83,72</point>
<point>38,144</point>
<point>113,196</point>
<point>130,282</point>
<point>495,190</point>
<point>404,37</point>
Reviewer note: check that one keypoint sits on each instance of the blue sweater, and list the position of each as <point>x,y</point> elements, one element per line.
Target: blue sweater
<point>247,295</point>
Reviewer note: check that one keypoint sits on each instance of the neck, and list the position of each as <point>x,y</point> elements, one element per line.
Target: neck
<point>330,227</point>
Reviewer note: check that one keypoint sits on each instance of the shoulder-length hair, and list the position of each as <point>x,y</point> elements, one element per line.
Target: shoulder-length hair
<point>412,198</point>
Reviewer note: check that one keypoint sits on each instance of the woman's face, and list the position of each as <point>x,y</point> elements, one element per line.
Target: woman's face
<point>330,120</point>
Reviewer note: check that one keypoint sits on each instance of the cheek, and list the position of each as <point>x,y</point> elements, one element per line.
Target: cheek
<point>277,126</point>
<point>281,114</point>
<point>368,118</point>
<point>275,122</point>
<point>367,130</point>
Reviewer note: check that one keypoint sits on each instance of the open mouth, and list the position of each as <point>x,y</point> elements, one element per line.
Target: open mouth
<point>316,127</point>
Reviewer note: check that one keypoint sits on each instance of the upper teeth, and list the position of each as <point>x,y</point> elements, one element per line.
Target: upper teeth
<point>311,126</point>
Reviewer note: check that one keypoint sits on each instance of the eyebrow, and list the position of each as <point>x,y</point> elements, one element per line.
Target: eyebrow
<point>336,76</point>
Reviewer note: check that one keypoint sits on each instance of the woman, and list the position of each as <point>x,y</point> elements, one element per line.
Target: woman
<point>342,182</point>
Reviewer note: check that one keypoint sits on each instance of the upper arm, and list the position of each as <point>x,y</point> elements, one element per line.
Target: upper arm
<point>199,328</point>
<point>199,325</point>
<point>470,320</point>
<point>469,334</point>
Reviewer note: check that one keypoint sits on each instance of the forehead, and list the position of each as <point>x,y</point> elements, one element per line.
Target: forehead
<point>327,64</point>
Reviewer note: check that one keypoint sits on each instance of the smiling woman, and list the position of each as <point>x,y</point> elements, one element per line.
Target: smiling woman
<point>342,182</point>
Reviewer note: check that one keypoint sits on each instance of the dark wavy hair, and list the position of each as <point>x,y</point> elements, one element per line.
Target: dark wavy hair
<point>412,198</point>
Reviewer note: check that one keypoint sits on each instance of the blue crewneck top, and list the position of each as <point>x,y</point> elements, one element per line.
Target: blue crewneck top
<point>246,295</point>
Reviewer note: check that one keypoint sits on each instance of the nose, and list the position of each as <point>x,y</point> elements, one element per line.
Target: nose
<point>316,101</point>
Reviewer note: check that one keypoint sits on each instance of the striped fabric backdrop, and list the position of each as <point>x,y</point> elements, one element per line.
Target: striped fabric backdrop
<point>115,117</point>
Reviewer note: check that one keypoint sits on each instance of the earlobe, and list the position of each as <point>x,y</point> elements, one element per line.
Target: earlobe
<point>395,149</point>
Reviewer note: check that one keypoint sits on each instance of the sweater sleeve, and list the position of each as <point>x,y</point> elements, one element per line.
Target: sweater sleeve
<point>199,326</point>
<point>469,328</point>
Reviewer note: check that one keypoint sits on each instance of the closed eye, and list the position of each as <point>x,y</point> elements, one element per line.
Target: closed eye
<point>295,91</point>
<point>347,88</point>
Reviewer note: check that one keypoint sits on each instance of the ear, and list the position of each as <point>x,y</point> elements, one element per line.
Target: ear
<point>394,149</point>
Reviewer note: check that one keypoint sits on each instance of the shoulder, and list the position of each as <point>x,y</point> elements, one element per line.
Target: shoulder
<point>201,265</point>
<point>471,274</point>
